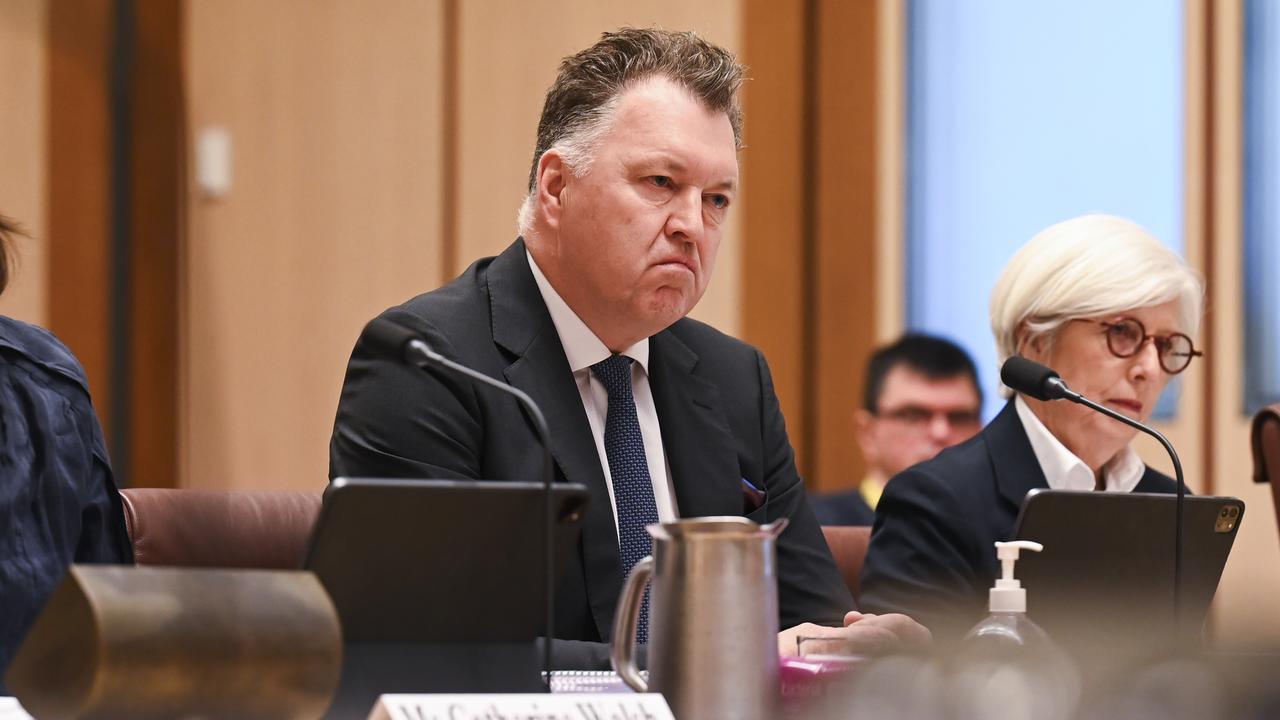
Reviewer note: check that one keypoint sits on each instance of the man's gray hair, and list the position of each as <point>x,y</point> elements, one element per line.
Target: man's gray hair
<point>580,104</point>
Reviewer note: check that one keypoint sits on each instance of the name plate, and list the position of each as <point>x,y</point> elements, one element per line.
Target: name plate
<point>523,706</point>
<point>11,710</point>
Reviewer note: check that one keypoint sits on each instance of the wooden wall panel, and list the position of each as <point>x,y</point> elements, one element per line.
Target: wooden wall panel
<point>24,40</point>
<point>508,56</point>
<point>334,110</point>
<point>78,172</point>
<point>845,239</point>
<point>776,205</point>
<point>891,160</point>
<point>1244,609</point>
<point>824,173</point>
<point>155,207</point>
<point>78,158</point>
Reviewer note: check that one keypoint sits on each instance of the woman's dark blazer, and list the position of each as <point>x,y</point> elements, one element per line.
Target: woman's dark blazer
<point>932,553</point>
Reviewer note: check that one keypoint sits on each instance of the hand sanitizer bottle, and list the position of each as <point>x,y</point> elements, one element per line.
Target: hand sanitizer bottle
<point>1007,624</point>
<point>1008,666</point>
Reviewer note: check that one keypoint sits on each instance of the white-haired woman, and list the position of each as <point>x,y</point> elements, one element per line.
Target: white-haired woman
<point>1101,301</point>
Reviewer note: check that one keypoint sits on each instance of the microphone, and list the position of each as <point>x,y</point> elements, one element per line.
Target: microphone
<point>395,340</point>
<point>1032,378</point>
<point>1043,383</point>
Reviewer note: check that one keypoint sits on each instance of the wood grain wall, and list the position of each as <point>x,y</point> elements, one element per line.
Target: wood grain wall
<point>845,241</point>
<point>333,109</point>
<point>23,113</point>
<point>1244,610</point>
<point>78,165</point>
<point>775,209</point>
<point>815,196</point>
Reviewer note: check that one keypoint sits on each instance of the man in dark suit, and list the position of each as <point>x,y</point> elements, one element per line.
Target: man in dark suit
<point>921,395</point>
<point>660,416</point>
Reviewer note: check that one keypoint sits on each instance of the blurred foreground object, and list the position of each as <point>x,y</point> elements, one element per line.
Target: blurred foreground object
<point>1182,686</point>
<point>136,642</point>
<point>1266,450</point>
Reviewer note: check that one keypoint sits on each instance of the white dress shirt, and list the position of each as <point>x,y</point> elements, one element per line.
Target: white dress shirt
<point>1064,471</point>
<point>583,349</point>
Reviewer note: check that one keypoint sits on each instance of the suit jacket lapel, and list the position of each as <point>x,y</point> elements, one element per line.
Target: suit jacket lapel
<point>523,327</point>
<point>1016,468</point>
<point>695,433</point>
<point>1154,481</point>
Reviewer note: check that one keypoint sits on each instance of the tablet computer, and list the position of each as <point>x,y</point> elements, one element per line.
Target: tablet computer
<point>1106,571</point>
<point>440,560</point>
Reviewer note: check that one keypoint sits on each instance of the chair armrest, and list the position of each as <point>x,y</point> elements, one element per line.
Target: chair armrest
<point>226,529</point>
<point>848,545</point>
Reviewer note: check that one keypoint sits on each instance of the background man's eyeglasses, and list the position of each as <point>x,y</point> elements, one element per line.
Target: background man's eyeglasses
<point>917,416</point>
<point>1126,336</point>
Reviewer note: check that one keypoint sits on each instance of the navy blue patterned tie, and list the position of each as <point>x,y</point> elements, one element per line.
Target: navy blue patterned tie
<point>629,470</point>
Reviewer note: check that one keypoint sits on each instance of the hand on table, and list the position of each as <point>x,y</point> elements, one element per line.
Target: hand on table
<point>862,634</point>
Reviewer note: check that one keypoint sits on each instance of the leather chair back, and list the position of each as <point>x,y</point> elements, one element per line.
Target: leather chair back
<point>1266,450</point>
<point>223,529</point>
<point>848,545</point>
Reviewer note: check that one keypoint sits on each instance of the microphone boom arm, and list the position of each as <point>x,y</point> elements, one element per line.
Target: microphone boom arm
<point>1058,388</point>
<point>419,353</point>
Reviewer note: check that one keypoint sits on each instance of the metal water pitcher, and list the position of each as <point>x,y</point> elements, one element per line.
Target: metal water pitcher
<point>713,618</point>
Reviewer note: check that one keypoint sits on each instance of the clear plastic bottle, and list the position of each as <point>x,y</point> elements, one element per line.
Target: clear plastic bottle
<point>1009,630</point>
<point>1007,626</point>
<point>1008,666</point>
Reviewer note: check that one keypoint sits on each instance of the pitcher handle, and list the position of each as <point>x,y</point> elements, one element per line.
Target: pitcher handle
<point>622,652</point>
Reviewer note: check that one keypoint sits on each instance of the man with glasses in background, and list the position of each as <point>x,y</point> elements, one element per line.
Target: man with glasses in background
<point>920,396</point>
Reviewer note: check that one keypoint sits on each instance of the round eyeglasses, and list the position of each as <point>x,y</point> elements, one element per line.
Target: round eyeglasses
<point>1126,336</point>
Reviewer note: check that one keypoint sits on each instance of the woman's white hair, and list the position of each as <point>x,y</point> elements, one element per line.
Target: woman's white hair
<point>1090,266</point>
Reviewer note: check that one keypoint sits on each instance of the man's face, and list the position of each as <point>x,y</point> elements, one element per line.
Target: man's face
<point>916,418</point>
<point>635,239</point>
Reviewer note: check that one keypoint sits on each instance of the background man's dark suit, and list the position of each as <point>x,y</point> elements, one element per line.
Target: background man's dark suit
<point>932,553</point>
<point>846,508</point>
<point>715,401</point>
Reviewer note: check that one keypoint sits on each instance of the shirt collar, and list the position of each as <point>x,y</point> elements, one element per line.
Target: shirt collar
<point>1063,470</point>
<point>581,346</point>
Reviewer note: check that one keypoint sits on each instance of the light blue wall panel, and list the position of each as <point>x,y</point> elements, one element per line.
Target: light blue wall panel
<point>1022,114</point>
<point>1261,204</point>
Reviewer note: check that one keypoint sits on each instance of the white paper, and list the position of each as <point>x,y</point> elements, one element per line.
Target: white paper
<point>11,710</point>
<point>523,706</point>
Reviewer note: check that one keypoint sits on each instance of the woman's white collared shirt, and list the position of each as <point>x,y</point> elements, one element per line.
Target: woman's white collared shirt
<point>1064,471</point>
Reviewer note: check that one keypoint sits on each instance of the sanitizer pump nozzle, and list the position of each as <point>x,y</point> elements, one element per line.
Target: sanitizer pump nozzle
<point>1008,595</point>
<point>1007,646</point>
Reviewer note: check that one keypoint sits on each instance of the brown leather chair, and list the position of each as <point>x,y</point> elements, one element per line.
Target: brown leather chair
<point>848,545</point>
<point>1266,450</point>
<point>226,529</point>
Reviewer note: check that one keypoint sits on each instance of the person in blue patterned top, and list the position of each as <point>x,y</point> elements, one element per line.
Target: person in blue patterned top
<point>58,502</point>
